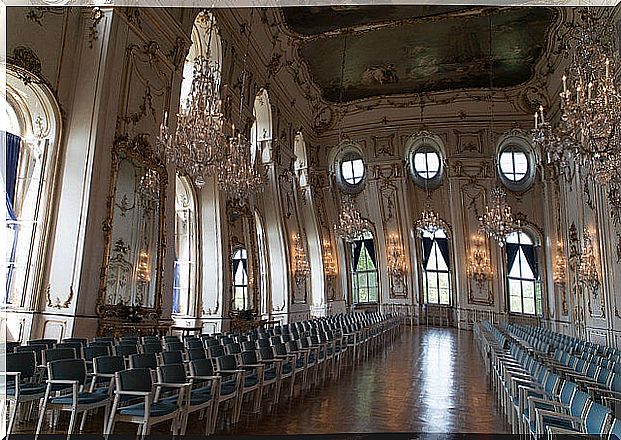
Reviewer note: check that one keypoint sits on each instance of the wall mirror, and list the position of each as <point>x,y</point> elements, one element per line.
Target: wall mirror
<point>131,273</point>
<point>245,295</point>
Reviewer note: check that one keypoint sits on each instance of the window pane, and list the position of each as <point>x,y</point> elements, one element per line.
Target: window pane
<point>515,304</point>
<point>444,296</point>
<point>433,164</point>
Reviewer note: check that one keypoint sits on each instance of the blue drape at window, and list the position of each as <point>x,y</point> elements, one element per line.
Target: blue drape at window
<point>370,245</point>
<point>427,245</point>
<point>357,250</point>
<point>12,147</point>
<point>512,251</point>
<point>531,258</point>
<point>443,245</point>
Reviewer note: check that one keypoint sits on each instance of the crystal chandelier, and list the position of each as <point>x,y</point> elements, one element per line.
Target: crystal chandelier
<point>589,130</point>
<point>479,268</point>
<point>587,268</point>
<point>238,176</point>
<point>498,221</point>
<point>329,265</point>
<point>149,189</point>
<point>351,226</point>
<point>197,146</point>
<point>395,258</point>
<point>429,221</point>
<point>301,268</point>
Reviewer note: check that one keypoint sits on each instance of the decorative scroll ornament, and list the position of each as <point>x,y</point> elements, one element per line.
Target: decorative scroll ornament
<point>560,266</point>
<point>479,268</point>
<point>395,257</point>
<point>351,225</point>
<point>588,276</point>
<point>498,221</point>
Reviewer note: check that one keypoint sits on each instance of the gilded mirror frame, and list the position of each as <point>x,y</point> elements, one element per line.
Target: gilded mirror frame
<point>139,151</point>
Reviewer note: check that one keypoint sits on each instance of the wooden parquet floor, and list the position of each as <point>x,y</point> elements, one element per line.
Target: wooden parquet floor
<point>432,380</point>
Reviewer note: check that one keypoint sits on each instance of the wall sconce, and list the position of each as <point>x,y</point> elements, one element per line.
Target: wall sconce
<point>560,266</point>
<point>394,253</point>
<point>329,265</point>
<point>587,269</point>
<point>143,271</point>
<point>301,268</point>
<point>479,268</point>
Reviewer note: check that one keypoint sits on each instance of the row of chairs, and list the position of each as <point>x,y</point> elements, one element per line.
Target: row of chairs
<point>213,374</point>
<point>536,398</point>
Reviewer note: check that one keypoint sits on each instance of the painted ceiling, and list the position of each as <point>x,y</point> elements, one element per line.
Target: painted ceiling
<point>385,50</point>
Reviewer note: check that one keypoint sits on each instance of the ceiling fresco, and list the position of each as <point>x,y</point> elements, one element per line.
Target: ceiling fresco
<point>432,53</point>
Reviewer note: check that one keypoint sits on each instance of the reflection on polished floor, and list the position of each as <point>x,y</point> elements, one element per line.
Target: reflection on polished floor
<point>431,380</point>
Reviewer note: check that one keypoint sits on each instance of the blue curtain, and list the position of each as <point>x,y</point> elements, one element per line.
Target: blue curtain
<point>427,245</point>
<point>370,245</point>
<point>357,250</point>
<point>512,251</point>
<point>443,245</point>
<point>11,145</point>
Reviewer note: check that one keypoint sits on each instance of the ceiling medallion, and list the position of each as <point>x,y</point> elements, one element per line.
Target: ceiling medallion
<point>498,221</point>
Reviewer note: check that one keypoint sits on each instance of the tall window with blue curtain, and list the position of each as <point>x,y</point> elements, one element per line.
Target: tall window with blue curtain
<point>436,267</point>
<point>184,281</point>
<point>12,147</point>
<point>240,279</point>
<point>364,280</point>
<point>523,280</point>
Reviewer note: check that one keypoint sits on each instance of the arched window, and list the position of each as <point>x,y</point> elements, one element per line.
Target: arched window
<point>436,265</point>
<point>262,126</point>
<point>29,132</point>
<point>523,283</point>
<point>186,249</point>
<point>240,279</point>
<point>364,279</point>
<point>205,43</point>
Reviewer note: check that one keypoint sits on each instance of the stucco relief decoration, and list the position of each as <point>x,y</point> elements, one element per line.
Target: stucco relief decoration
<point>469,141</point>
<point>473,198</point>
<point>384,145</point>
<point>146,87</point>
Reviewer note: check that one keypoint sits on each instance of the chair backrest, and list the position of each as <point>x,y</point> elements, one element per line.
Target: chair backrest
<point>129,339</point>
<point>152,348</point>
<point>266,353</point>
<point>108,364</point>
<point>81,341</point>
<point>211,342</point>
<point>125,349</point>
<point>173,373</point>
<point>234,348</point>
<point>91,353</point>
<point>578,403</point>
<point>193,343</point>
<point>23,362</point>
<point>567,392</point>
<point>280,349</point>
<point>172,357</point>
<point>248,345</point>
<point>249,357</point>
<point>100,344</point>
<point>595,419</point>
<point>201,367</point>
<point>135,379</point>
<point>196,353</point>
<point>215,351</point>
<point>67,369</point>
<point>143,360</point>
<point>55,354</point>
<point>174,345</point>
<point>37,349</point>
<point>47,342</point>
<point>263,342</point>
<point>226,362</point>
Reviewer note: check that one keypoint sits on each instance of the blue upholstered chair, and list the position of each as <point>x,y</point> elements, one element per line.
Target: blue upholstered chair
<point>65,392</point>
<point>143,360</point>
<point>21,386</point>
<point>137,384</point>
<point>249,381</point>
<point>176,386</point>
<point>172,357</point>
<point>202,374</point>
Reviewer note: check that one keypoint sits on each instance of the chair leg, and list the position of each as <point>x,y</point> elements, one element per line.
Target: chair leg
<point>13,412</point>
<point>42,413</point>
<point>83,422</point>
<point>74,415</point>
